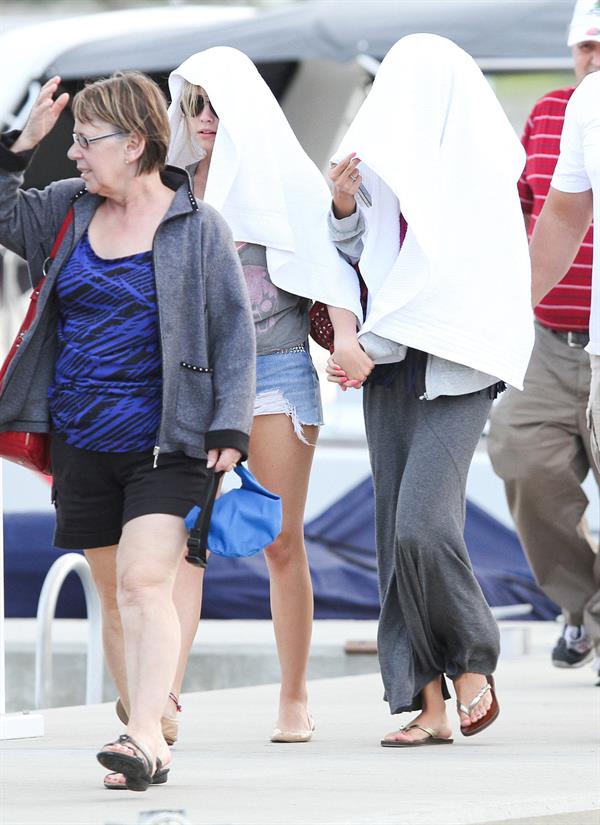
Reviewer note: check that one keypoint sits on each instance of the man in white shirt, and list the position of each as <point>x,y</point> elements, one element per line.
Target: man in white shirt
<point>539,442</point>
<point>573,199</point>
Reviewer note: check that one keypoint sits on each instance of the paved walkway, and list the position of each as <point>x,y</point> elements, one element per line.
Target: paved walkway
<point>572,818</point>
<point>538,765</point>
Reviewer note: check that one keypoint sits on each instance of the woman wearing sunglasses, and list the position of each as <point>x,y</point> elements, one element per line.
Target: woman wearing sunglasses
<point>444,255</point>
<point>140,362</point>
<point>230,133</point>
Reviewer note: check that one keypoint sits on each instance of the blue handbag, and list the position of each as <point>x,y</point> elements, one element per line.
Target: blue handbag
<point>239,523</point>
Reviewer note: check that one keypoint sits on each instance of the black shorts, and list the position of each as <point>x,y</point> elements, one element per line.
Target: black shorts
<point>96,493</point>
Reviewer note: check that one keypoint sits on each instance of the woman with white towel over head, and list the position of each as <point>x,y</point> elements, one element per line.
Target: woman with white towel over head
<point>230,133</point>
<point>443,252</point>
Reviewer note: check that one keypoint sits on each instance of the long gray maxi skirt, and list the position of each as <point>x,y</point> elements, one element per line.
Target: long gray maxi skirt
<point>434,618</point>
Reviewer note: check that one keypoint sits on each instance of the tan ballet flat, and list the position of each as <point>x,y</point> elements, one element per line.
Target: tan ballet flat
<point>170,727</point>
<point>290,736</point>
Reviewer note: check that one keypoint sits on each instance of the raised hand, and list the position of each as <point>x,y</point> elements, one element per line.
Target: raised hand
<point>43,116</point>
<point>346,180</point>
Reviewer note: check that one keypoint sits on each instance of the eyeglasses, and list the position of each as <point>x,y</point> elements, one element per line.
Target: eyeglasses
<point>84,141</point>
<point>197,106</point>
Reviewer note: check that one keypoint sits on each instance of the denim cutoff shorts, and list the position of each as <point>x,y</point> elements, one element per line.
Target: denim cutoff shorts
<point>287,382</point>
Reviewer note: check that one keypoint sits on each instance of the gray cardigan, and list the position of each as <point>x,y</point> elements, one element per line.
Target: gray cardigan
<point>206,328</point>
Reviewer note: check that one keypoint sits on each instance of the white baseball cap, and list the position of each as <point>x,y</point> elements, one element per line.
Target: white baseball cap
<point>585,24</point>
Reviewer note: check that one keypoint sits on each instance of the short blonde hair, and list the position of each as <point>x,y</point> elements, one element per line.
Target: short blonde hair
<point>132,102</point>
<point>189,93</point>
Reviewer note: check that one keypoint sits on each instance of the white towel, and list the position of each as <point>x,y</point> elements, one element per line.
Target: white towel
<point>434,140</point>
<point>261,180</point>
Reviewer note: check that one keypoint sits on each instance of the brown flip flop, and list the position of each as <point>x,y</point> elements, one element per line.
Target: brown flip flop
<point>491,715</point>
<point>432,739</point>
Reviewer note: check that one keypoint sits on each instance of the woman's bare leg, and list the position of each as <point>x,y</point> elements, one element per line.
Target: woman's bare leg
<point>187,595</point>
<point>281,462</point>
<point>103,564</point>
<point>147,561</point>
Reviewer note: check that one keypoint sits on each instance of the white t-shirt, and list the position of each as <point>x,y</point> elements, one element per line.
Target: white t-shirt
<point>578,169</point>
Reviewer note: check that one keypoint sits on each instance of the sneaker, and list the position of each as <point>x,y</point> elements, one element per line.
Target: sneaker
<point>573,649</point>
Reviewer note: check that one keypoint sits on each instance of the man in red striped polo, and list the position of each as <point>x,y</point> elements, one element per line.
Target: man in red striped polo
<point>539,442</point>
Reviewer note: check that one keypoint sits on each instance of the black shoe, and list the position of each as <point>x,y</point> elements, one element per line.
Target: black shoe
<point>564,655</point>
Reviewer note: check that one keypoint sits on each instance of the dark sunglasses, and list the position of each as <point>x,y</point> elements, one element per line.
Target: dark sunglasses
<point>198,105</point>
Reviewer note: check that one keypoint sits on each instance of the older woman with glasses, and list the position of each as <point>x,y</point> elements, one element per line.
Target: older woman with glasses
<point>140,363</point>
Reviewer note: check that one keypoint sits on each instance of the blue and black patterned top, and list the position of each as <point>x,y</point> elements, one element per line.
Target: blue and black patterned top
<point>107,387</point>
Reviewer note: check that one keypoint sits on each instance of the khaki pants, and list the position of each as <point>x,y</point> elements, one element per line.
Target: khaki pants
<point>539,444</point>
<point>593,411</point>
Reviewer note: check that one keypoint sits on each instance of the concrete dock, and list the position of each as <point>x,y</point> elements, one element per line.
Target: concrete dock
<point>539,764</point>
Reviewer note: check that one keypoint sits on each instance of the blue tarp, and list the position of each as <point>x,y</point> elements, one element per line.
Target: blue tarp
<point>347,531</point>
<point>28,555</point>
<point>341,549</point>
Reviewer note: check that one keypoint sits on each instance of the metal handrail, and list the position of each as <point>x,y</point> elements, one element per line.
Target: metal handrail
<point>68,563</point>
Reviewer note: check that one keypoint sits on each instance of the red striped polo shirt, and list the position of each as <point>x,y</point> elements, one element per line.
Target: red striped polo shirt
<point>567,306</point>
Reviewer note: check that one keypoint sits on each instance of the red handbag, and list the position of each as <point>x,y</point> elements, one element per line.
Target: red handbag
<point>321,328</point>
<point>31,450</point>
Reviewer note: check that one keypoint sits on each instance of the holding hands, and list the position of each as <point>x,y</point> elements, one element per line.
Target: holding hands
<point>43,116</point>
<point>349,366</point>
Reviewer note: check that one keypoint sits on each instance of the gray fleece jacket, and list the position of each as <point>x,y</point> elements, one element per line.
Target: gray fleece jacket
<point>206,328</point>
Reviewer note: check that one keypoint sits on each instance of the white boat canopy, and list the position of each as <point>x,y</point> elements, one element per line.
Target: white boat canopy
<point>527,35</point>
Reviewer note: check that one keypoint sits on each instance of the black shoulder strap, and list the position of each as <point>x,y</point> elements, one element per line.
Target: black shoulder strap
<point>197,542</point>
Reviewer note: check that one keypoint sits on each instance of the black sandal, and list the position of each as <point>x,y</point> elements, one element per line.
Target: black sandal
<point>136,768</point>
<point>159,777</point>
